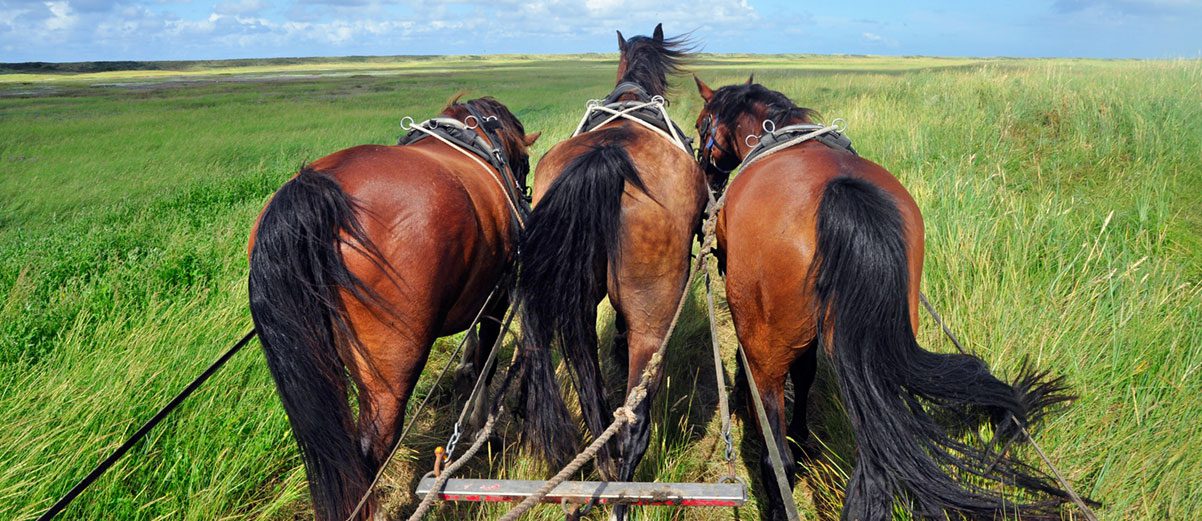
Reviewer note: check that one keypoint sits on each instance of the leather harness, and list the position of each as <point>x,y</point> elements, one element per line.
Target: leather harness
<point>487,147</point>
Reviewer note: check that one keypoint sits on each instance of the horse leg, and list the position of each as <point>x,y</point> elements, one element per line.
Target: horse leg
<point>621,352</point>
<point>385,367</point>
<point>802,372</point>
<point>648,315</point>
<point>474,358</point>
<point>769,376</point>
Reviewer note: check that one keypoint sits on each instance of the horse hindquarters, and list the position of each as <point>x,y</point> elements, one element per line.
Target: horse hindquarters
<point>297,275</point>
<point>570,238</point>
<point>889,383</point>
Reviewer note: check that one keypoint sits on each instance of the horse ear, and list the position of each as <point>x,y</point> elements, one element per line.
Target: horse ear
<point>706,92</point>
<point>621,42</point>
<point>751,79</point>
<point>529,139</point>
<point>658,35</point>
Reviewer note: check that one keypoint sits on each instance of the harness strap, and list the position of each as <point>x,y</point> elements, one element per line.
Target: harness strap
<point>780,139</point>
<point>436,123</point>
<point>648,111</point>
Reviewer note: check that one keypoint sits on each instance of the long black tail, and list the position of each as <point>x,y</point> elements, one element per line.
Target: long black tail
<point>910,407</point>
<point>296,274</point>
<point>569,239</point>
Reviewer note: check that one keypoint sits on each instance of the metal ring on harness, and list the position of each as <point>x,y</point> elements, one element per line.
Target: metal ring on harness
<point>409,125</point>
<point>471,126</point>
<point>747,140</point>
<point>659,99</point>
<point>769,126</point>
<point>840,125</point>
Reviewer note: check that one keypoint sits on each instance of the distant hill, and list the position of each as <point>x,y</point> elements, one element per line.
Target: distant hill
<point>106,66</point>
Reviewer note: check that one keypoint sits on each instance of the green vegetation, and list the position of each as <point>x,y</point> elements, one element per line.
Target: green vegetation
<point>1060,199</point>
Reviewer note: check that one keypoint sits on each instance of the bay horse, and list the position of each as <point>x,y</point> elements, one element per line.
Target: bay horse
<point>357,264</point>
<point>822,248</point>
<point>615,210</point>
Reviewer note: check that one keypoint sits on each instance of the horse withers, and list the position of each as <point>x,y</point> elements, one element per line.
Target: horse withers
<point>615,209</point>
<point>362,260</point>
<point>822,248</point>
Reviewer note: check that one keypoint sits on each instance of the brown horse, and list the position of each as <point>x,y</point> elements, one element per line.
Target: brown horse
<point>615,212</point>
<point>822,248</point>
<point>357,265</point>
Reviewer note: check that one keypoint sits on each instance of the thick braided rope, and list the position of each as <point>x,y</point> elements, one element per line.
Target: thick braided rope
<point>625,413</point>
<point>428,502</point>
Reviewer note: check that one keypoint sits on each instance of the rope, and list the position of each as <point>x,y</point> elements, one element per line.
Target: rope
<point>656,102</point>
<point>396,445</point>
<point>108,462</point>
<point>625,414</point>
<point>1085,510</point>
<point>428,502</point>
<point>483,376</point>
<point>720,378</point>
<point>922,297</point>
<point>487,168</point>
<point>778,462</point>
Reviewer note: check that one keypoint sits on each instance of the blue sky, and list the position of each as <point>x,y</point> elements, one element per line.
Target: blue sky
<point>79,30</point>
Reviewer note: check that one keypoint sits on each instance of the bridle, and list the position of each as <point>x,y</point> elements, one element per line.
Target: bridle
<point>707,132</point>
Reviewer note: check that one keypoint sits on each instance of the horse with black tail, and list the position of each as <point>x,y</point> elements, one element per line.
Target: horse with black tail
<point>363,259</point>
<point>615,209</point>
<point>823,249</point>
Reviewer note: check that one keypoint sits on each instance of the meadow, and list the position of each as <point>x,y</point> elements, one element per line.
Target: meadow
<point>1060,197</point>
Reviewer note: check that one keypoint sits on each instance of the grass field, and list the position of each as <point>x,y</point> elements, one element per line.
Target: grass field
<point>1061,200</point>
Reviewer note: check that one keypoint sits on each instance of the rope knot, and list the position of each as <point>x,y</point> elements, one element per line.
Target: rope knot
<point>626,414</point>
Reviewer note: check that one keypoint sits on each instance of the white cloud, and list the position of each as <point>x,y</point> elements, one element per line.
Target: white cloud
<point>62,17</point>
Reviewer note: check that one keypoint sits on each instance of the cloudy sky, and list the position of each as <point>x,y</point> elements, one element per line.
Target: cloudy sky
<point>79,30</point>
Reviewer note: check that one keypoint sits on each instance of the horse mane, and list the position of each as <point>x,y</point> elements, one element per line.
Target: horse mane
<point>512,136</point>
<point>650,61</point>
<point>732,101</point>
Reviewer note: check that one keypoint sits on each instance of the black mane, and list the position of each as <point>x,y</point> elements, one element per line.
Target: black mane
<point>732,101</point>
<point>649,62</point>
<point>512,135</point>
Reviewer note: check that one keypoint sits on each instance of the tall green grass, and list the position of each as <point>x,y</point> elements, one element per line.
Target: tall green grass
<point>1060,200</point>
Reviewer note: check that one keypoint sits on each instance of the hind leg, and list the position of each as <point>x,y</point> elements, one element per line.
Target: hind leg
<point>621,348</point>
<point>474,359</point>
<point>648,314</point>
<point>770,378</point>
<point>385,368</point>
<point>802,372</point>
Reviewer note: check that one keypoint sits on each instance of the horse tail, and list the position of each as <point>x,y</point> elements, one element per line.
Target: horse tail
<point>570,238</point>
<point>297,275</point>
<point>909,406</point>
